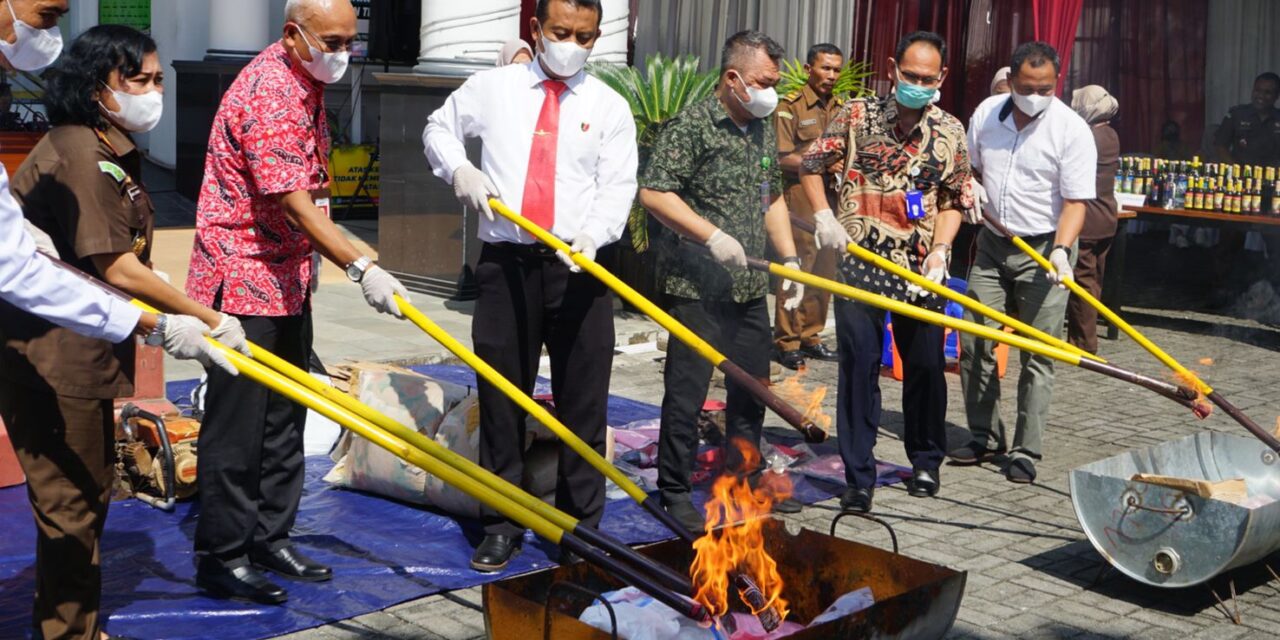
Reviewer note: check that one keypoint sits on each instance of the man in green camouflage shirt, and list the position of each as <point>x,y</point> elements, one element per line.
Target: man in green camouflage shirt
<point>713,178</point>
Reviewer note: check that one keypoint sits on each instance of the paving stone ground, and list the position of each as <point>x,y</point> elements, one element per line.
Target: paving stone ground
<point>1031,571</point>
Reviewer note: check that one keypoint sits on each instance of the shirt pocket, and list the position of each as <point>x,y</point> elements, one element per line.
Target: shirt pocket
<point>809,130</point>
<point>1038,168</point>
<point>580,141</point>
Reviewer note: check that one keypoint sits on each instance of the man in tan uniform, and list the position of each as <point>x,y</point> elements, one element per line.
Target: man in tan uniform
<point>801,118</point>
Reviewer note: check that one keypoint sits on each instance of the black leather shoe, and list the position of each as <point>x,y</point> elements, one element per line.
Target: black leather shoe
<point>792,360</point>
<point>973,453</point>
<point>289,563</point>
<point>820,352</point>
<point>856,499</point>
<point>239,583</point>
<point>924,484</point>
<point>494,553</point>
<point>686,514</point>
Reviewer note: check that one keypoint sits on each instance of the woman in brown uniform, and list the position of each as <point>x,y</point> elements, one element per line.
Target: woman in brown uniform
<point>82,186</point>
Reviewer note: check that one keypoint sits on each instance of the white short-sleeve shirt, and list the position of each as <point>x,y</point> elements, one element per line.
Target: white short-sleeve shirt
<point>1028,174</point>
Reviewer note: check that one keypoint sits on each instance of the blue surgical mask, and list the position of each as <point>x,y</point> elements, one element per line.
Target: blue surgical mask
<point>913,96</point>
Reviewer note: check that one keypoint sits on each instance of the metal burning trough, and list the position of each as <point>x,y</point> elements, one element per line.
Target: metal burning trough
<point>913,599</point>
<point>1172,536</point>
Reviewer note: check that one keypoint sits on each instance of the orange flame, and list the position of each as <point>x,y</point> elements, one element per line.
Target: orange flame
<point>736,514</point>
<point>1190,380</point>
<point>794,392</point>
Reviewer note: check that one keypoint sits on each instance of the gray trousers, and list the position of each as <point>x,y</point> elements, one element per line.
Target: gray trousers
<point>1005,278</point>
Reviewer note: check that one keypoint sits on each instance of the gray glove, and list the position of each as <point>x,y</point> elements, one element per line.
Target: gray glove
<point>727,251</point>
<point>184,339</point>
<point>581,244</point>
<point>380,289</point>
<point>473,188</point>
<point>231,334</point>
<point>44,244</point>
<point>828,232</point>
<point>1061,261</point>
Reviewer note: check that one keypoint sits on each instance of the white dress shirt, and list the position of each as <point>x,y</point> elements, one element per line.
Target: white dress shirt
<point>31,283</point>
<point>1027,174</point>
<point>595,155</point>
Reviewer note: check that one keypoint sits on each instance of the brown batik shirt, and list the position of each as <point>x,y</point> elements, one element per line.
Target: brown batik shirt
<point>880,167</point>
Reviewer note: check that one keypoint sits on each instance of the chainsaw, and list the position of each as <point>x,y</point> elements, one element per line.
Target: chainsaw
<point>155,456</point>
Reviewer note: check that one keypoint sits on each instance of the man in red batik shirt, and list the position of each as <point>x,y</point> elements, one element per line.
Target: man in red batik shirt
<point>263,210</point>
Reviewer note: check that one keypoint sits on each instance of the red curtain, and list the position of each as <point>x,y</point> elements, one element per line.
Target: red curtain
<point>1151,57</point>
<point>1056,22</point>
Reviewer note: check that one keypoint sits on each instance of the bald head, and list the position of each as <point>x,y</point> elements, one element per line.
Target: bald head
<point>304,11</point>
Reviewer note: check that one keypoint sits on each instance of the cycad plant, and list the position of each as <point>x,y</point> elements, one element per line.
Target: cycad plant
<point>852,83</point>
<point>666,88</point>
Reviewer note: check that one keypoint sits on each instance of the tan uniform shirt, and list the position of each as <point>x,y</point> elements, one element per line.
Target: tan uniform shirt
<point>84,189</point>
<point>801,118</point>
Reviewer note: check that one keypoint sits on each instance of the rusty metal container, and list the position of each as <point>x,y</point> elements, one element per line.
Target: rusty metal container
<point>1166,537</point>
<point>914,599</point>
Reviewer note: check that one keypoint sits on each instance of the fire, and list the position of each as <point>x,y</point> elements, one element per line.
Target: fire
<point>810,402</point>
<point>736,514</point>
<point>1189,380</point>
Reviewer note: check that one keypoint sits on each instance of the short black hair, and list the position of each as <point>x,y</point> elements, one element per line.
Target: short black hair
<point>73,83</point>
<point>1270,76</point>
<point>544,7</point>
<point>825,48</point>
<point>921,36</point>
<point>1037,53</point>
<point>741,42</point>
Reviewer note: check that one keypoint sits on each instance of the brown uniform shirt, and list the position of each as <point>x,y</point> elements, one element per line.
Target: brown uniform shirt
<point>1100,218</point>
<point>800,119</point>
<point>85,191</point>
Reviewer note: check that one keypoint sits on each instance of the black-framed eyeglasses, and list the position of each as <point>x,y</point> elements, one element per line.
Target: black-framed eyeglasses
<point>332,44</point>
<point>924,81</point>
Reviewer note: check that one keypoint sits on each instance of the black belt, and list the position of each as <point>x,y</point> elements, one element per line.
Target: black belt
<point>1044,237</point>
<point>533,250</point>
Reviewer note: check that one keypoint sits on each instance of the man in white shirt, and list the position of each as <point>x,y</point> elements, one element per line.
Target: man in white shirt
<point>560,148</point>
<point>1036,159</point>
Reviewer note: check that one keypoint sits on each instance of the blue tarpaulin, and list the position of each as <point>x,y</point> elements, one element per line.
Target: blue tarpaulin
<point>382,552</point>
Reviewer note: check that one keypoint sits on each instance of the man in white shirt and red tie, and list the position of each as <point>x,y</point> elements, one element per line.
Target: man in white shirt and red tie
<point>561,146</point>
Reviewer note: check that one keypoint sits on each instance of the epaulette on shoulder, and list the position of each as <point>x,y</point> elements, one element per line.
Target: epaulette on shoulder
<point>793,96</point>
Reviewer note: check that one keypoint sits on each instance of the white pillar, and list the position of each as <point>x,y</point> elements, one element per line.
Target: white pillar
<point>461,36</point>
<point>238,28</point>
<point>612,45</point>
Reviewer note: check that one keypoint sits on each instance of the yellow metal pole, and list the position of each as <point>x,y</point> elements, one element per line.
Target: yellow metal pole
<point>682,333</point>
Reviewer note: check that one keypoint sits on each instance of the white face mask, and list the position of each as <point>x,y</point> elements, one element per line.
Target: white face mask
<point>1033,104</point>
<point>138,114</point>
<point>760,102</point>
<point>564,59</point>
<point>32,49</point>
<point>325,67</point>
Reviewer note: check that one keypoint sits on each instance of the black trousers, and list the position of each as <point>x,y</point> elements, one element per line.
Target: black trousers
<point>742,333</point>
<point>528,298</point>
<point>860,332</point>
<point>251,455</point>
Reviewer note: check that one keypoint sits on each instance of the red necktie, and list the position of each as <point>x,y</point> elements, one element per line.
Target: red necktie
<point>540,182</point>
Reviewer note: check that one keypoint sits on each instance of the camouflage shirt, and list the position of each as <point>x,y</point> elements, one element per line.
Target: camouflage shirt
<point>726,175</point>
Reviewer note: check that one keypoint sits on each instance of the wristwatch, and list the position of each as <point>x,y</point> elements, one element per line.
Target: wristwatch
<point>357,269</point>
<point>1064,247</point>
<point>156,337</point>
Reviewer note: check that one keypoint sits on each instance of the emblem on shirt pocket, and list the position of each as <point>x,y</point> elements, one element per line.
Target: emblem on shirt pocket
<point>112,169</point>
<point>586,126</point>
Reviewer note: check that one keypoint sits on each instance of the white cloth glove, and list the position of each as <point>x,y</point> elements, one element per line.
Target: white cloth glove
<point>317,263</point>
<point>44,244</point>
<point>582,243</point>
<point>979,193</point>
<point>380,289</point>
<point>184,339</point>
<point>473,188</point>
<point>935,270</point>
<point>231,334</point>
<point>828,232</point>
<point>792,290</point>
<point>727,251</point>
<point>1061,261</point>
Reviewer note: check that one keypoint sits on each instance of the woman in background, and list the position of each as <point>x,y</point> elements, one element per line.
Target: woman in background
<point>1098,108</point>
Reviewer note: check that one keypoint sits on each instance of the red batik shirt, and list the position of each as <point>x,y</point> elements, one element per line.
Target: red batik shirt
<point>269,138</point>
<point>880,166</point>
